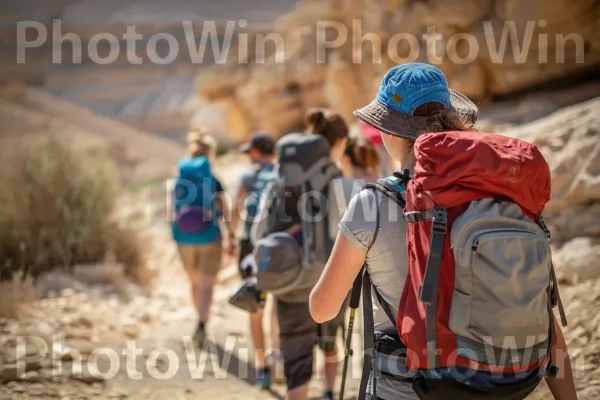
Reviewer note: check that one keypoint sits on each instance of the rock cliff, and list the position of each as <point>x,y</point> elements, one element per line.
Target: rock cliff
<point>487,48</point>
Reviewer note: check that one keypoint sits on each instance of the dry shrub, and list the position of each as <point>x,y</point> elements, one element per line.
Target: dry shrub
<point>55,211</point>
<point>127,249</point>
<point>15,294</point>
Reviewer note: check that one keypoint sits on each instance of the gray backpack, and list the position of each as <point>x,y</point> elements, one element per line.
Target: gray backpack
<point>292,253</point>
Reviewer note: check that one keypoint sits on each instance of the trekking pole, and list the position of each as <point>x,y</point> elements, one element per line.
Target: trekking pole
<point>354,300</point>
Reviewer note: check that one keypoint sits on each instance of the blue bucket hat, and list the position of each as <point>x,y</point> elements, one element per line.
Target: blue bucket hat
<point>405,88</point>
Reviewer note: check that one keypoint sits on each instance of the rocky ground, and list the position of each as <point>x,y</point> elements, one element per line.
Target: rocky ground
<point>79,343</point>
<point>73,343</point>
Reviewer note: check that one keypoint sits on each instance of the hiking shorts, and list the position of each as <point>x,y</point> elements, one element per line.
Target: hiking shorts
<point>299,334</point>
<point>205,259</point>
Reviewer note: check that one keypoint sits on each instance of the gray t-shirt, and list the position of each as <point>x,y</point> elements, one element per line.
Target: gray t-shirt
<point>387,264</point>
<point>387,260</point>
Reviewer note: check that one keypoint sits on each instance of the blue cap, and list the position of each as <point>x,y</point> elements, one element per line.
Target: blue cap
<point>403,89</point>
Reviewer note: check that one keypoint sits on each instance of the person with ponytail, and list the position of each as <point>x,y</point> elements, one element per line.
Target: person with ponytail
<point>299,333</point>
<point>331,125</point>
<point>195,205</point>
<point>361,160</point>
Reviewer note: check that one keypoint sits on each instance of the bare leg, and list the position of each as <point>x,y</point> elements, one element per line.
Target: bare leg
<point>298,393</point>
<point>187,255</point>
<point>204,293</point>
<point>258,338</point>
<point>274,327</point>
<point>331,368</point>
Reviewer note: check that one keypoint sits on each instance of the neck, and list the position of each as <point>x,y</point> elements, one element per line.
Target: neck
<point>346,167</point>
<point>408,163</point>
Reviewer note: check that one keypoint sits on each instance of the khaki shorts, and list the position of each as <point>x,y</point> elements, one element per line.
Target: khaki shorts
<point>206,259</point>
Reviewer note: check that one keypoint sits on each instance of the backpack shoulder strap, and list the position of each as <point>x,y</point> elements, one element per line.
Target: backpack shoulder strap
<point>392,187</point>
<point>388,189</point>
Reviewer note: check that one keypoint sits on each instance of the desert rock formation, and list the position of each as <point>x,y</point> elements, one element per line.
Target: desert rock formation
<point>554,40</point>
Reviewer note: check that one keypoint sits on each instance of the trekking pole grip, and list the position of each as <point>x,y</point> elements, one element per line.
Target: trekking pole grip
<point>356,287</point>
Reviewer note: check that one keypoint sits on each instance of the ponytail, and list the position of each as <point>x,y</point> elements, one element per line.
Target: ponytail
<point>363,155</point>
<point>327,123</point>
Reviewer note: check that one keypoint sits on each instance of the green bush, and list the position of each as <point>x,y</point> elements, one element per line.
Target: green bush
<point>55,209</point>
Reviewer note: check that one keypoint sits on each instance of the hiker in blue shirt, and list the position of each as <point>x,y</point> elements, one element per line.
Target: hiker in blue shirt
<point>260,149</point>
<point>197,204</point>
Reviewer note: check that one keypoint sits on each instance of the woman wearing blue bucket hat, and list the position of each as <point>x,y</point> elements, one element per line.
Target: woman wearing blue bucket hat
<point>413,100</point>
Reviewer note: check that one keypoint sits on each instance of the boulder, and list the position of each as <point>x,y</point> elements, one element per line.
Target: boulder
<point>446,12</point>
<point>569,139</point>
<point>578,260</point>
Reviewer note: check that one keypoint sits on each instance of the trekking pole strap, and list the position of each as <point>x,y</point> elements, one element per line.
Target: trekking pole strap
<point>428,292</point>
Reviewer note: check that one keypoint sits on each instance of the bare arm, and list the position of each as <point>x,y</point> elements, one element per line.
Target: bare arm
<point>238,206</point>
<point>170,207</point>
<point>228,221</point>
<point>227,215</point>
<point>343,266</point>
<point>563,386</point>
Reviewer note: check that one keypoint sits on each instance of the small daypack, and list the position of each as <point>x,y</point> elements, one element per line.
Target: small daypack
<point>476,311</point>
<point>194,196</point>
<point>291,255</point>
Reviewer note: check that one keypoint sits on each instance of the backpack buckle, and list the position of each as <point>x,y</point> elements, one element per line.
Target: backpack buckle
<point>403,176</point>
<point>440,221</point>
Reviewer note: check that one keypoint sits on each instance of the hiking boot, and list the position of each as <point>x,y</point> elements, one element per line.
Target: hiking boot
<point>263,380</point>
<point>200,335</point>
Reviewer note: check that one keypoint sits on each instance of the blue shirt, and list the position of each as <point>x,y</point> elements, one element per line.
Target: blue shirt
<point>254,182</point>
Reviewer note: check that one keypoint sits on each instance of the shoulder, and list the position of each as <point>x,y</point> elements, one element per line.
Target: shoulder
<point>364,197</point>
<point>362,208</point>
<point>344,188</point>
<point>247,178</point>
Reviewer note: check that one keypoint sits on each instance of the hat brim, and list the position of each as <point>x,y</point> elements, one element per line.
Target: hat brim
<point>396,123</point>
